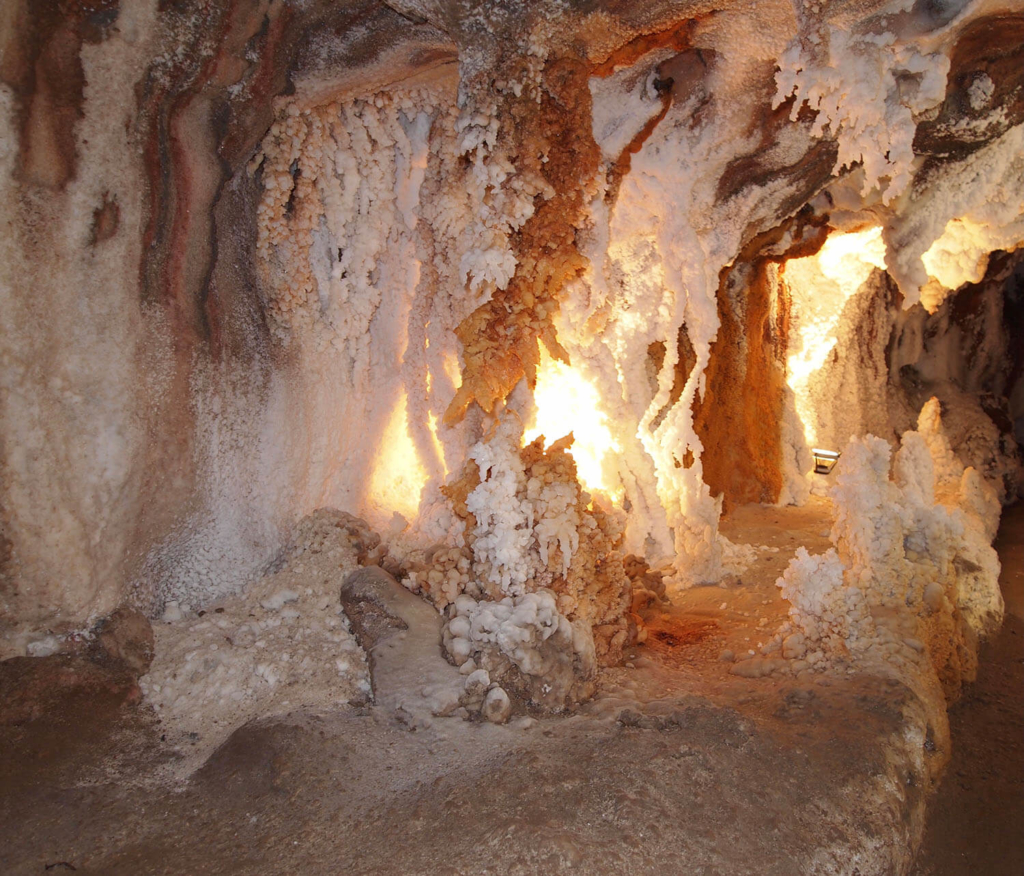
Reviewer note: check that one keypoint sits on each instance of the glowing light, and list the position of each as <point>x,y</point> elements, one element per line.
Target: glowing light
<point>432,421</point>
<point>451,368</point>
<point>398,475</point>
<point>566,403</point>
<point>959,256</point>
<point>820,286</point>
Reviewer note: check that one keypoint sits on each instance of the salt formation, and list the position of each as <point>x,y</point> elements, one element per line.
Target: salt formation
<point>858,365</point>
<point>911,582</point>
<point>342,282</point>
<point>868,89</point>
<point>72,337</point>
<point>537,594</point>
<point>945,233</point>
<point>364,224</point>
<point>284,645</point>
<point>313,166</point>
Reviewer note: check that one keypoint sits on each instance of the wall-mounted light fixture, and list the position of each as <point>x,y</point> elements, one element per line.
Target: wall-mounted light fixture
<point>824,460</point>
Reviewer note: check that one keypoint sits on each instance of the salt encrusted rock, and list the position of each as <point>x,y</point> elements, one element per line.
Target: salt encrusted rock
<point>365,597</point>
<point>497,707</point>
<point>44,646</point>
<point>794,646</point>
<point>538,595</point>
<point>911,581</point>
<point>284,644</point>
<point>758,667</point>
<point>444,702</point>
<point>476,687</point>
<point>525,644</point>
<point>322,529</point>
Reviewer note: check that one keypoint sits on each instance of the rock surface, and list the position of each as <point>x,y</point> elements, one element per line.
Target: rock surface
<point>367,597</point>
<point>127,636</point>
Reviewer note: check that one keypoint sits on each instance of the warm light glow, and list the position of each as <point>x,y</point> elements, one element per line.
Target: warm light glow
<point>959,256</point>
<point>451,368</point>
<point>398,474</point>
<point>432,421</point>
<point>566,403</point>
<point>820,286</point>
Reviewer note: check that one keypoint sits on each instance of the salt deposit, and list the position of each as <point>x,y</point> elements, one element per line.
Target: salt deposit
<point>284,645</point>
<point>911,582</point>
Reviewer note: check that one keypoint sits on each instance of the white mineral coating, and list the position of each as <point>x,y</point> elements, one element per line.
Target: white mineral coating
<point>909,577</point>
<point>476,685</point>
<point>459,627</point>
<point>44,647</point>
<point>497,707</point>
<point>794,646</point>
<point>947,230</point>
<point>460,649</point>
<point>172,612</point>
<point>74,337</point>
<point>853,81</point>
<point>551,655</point>
<point>933,596</point>
<point>758,667</point>
<point>444,702</point>
<point>283,645</point>
<point>468,668</point>
<point>395,225</point>
<point>278,599</point>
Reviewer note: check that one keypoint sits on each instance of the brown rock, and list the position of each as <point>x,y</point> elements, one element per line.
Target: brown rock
<point>127,636</point>
<point>365,597</point>
<point>991,47</point>
<point>32,688</point>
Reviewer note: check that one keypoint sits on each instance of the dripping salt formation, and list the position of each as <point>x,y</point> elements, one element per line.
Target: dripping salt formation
<point>463,367</point>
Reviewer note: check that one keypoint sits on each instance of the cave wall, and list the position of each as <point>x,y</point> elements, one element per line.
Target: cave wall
<point>165,420</point>
<point>87,366</point>
<point>139,375</point>
<point>968,355</point>
<point>887,362</point>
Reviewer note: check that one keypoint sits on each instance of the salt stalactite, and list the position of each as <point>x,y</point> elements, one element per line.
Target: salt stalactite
<point>364,234</point>
<point>945,230</point>
<point>858,82</point>
<point>344,194</point>
<point>659,238</point>
<point>545,160</point>
<point>870,87</point>
<point>912,582</point>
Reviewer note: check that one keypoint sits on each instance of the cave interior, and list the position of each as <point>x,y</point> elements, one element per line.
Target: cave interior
<point>416,410</point>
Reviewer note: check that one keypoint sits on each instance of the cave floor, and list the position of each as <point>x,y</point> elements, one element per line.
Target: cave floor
<point>677,766</point>
<point>976,818</point>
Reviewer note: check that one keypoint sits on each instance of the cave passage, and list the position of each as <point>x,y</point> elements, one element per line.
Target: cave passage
<point>417,411</point>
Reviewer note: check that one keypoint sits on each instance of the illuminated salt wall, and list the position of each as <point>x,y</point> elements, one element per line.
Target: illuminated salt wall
<point>324,261</point>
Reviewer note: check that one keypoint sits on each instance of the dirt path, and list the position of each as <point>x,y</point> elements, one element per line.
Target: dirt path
<point>976,820</point>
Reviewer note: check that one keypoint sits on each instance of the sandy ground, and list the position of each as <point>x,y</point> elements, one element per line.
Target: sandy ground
<point>677,766</point>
